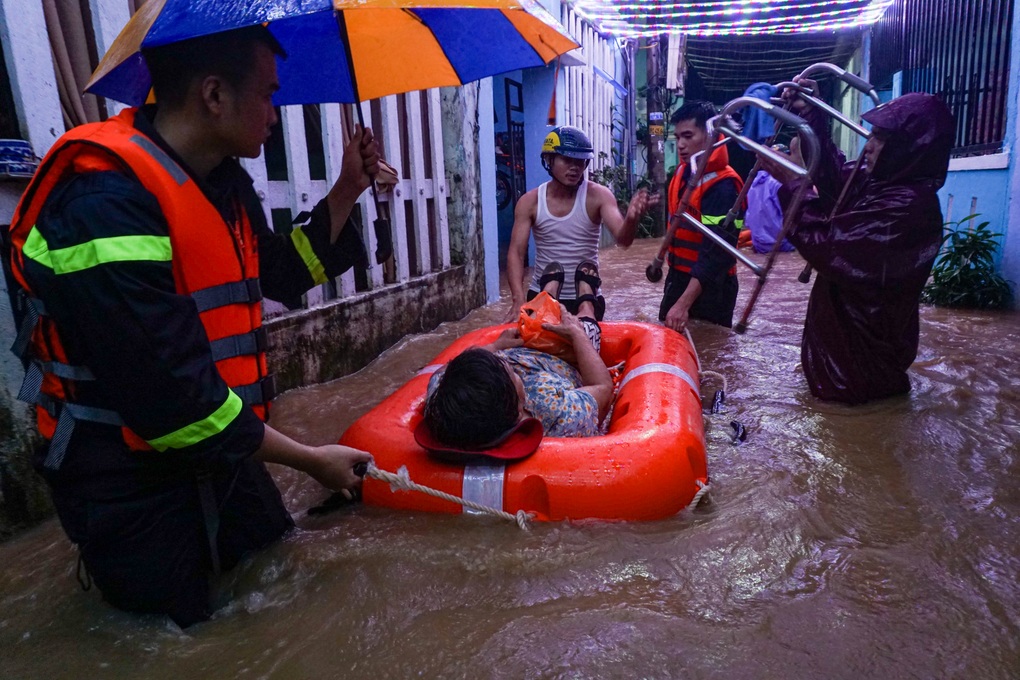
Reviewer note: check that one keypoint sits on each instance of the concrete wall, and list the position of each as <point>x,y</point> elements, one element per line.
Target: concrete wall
<point>23,500</point>
<point>978,185</point>
<point>330,342</point>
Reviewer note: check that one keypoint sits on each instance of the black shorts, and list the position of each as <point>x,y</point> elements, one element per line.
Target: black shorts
<point>573,305</point>
<point>715,304</point>
<point>148,551</point>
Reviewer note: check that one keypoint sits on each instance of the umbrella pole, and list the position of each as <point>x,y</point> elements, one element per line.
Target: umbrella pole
<point>383,233</point>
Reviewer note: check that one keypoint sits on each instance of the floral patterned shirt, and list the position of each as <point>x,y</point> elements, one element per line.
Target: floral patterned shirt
<point>552,393</point>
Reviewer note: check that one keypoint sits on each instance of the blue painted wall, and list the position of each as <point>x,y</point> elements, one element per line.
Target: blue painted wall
<point>538,90</point>
<point>987,188</point>
<point>505,215</point>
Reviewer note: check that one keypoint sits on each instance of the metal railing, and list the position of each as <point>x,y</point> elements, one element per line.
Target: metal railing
<point>958,50</point>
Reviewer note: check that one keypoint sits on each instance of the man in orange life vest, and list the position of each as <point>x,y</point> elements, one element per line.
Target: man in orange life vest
<point>702,279</point>
<point>143,253</point>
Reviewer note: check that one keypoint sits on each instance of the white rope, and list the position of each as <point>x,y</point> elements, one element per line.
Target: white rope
<point>713,374</point>
<point>703,489</point>
<point>687,332</point>
<point>401,481</point>
<point>701,373</point>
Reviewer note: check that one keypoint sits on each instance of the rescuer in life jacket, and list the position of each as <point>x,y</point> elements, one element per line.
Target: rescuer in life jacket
<point>142,254</point>
<point>702,279</point>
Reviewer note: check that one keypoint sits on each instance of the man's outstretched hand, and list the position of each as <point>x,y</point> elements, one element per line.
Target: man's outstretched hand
<point>641,202</point>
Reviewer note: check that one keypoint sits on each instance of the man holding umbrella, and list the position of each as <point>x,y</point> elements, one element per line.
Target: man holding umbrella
<point>143,254</point>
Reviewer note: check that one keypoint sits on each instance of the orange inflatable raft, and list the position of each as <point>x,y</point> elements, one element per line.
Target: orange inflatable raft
<point>649,465</point>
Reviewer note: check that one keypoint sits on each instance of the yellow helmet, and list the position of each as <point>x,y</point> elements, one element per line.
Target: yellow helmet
<point>568,141</point>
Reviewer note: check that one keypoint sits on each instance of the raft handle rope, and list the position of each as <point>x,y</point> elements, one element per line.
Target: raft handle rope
<point>703,488</point>
<point>720,396</point>
<point>401,481</point>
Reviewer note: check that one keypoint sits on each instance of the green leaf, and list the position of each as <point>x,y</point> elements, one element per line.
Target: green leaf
<point>964,273</point>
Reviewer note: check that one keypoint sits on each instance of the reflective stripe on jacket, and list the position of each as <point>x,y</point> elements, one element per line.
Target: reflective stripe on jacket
<point>686,241</point>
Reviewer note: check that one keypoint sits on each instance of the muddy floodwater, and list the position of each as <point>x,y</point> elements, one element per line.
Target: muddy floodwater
<point>880,541</point>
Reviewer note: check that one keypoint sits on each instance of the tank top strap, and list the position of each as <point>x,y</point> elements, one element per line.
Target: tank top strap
<point>581,202</point>
<point>580,212</point>
<point>542,213</point>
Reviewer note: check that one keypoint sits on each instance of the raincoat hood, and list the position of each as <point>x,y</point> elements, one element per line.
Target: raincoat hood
<point>922,135</point>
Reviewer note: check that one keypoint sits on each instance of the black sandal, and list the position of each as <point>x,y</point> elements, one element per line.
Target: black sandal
<point>593,280</point>
<point>553,272</point>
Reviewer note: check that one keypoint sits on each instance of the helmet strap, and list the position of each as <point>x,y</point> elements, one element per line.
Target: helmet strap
<point>546,164</point>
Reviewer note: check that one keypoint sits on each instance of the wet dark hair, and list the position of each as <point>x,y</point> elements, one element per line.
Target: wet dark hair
<point>698,111</point>
<point>475,401</point>
<point>229,54</point>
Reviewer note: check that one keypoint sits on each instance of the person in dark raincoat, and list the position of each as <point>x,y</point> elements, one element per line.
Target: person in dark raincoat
<point>875,255</point>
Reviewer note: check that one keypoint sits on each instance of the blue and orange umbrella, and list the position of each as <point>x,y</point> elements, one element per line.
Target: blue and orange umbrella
<point>348,50</point>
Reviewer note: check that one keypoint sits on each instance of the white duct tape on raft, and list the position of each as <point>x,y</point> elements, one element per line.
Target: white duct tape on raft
<point>661,368</point>
<point>483,484</point>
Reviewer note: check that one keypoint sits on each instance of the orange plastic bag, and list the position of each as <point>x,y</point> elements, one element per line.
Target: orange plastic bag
<point>543,309</point>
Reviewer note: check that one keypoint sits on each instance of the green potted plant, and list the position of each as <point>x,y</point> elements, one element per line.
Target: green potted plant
<point>964,274</point>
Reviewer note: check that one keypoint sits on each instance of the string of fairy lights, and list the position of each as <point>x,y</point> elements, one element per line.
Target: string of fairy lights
<point>631,19</point>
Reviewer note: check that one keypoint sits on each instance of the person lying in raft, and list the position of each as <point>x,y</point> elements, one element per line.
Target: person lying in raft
<point>498,400</point>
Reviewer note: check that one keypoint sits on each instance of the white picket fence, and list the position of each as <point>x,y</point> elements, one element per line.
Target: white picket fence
<point>589,96</point>
<point>409,129</point>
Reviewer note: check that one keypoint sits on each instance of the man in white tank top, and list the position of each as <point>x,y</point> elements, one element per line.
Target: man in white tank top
<point>566,215</point>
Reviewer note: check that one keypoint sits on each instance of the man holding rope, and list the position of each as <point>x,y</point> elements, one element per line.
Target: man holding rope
<point>143,254</point>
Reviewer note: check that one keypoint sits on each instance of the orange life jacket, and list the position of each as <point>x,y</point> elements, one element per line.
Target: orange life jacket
<point>686,241</point>
<point>214,262</point>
